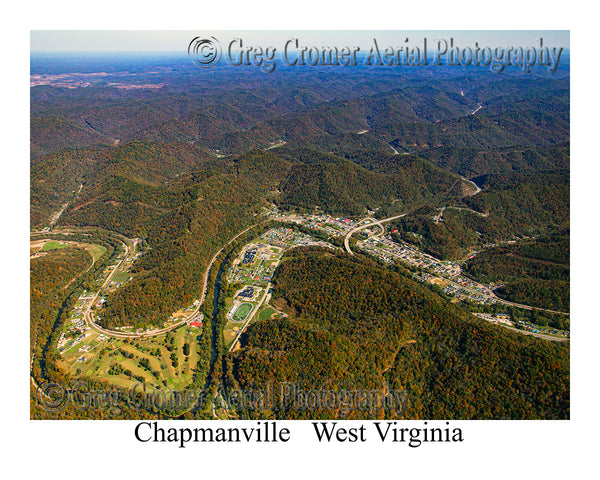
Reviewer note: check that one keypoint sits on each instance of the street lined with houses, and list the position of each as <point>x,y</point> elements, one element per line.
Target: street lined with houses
<point>447,274</point>
<point>524,327</point>
<point>254,268</point>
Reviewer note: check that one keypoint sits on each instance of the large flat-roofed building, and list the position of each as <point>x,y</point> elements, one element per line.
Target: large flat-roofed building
<point>247,292</point>
<point>249,256</point>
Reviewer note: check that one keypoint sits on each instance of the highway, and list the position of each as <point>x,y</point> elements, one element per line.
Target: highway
<point>375,222</point>
<point>526,307</point>
<point>87,314</point>
<point>372,222</point>
<point>537,335</point>
<point>491,294</point>
<point>113,333</point>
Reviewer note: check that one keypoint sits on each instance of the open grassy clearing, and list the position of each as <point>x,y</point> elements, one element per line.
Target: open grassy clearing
<point>96,251</point>
<point>121,276</point>
<point>119,362</point>
<point>229,333</point>
<point>53,245</point>
<point>266,313</point>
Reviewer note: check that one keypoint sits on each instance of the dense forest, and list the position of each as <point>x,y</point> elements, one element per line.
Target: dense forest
<point>57,277</point>
<point>186,217</point>
<point>510,205</point>
<point>182,240</point>
<point>472,162</point>
<point>49,275</point>
<point>534,272</point>
<point>355,326</point>
<point>342,187</point>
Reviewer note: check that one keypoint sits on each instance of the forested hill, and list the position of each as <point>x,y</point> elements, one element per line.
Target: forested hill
<point>185,161</point>
<point>182,160</point>
<point>186,205</point>
<point>472,162</point>
<point>129,184</point>
<point>241,110</point>
<point>340,186</point>
<point>56,177</point>
<point>354,326</point>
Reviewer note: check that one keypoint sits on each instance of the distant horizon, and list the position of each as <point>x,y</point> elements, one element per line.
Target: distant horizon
<point>90,61</point>
<point>165,53</point>
<point>166,41</point>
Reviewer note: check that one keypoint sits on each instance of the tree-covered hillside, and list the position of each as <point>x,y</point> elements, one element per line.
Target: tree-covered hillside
<point>354,326</point>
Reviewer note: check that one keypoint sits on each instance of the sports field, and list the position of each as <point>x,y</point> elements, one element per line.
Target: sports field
<point>266,313</point>
<point>242,312</point>
<point>53,245</point>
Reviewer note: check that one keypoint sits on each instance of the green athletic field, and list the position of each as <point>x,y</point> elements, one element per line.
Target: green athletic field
<point>242,312</point>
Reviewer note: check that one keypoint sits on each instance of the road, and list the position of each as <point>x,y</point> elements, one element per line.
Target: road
<point>526,307</point>
<point>368,225</point>
<point>538,335</point>
<point>112,333</point>
<point>491,294</point>
<point>385,220</point>
<point>89,319</point>
<point>488,292</point>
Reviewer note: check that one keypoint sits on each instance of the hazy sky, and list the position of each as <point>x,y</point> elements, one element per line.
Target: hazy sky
<point>165,40</point>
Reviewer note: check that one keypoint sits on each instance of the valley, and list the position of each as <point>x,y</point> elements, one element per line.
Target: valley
<point>328,231</point>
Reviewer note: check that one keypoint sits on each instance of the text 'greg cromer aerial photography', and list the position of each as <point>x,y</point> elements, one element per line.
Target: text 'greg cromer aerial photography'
<point>301,225</point>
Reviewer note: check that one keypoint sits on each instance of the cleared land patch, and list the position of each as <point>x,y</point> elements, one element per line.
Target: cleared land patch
<point>53,245</point>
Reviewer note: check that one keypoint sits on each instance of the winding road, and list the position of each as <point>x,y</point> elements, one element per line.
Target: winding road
<point>477,189</point>
<point>490,293</point>
<point>374,223</point>
<point>112,333</point>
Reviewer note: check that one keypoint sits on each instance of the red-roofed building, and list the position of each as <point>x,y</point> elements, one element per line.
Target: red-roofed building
<point>195,324</point>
